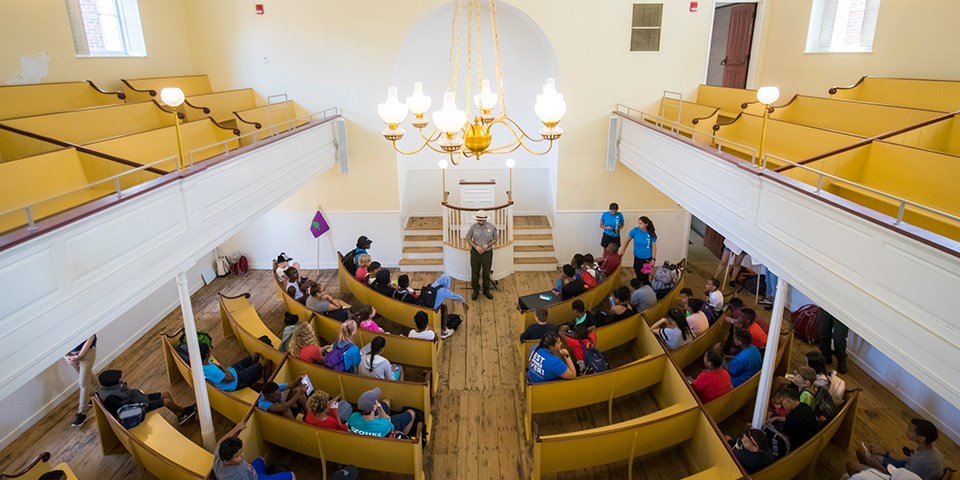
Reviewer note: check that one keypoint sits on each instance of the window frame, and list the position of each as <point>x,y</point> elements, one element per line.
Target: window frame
<point>126,17</point>
<point>658,28</point>
<point>819,19</point>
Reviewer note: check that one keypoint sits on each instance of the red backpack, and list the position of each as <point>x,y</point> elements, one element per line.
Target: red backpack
<point>806,323</point>
<point>240,267</point>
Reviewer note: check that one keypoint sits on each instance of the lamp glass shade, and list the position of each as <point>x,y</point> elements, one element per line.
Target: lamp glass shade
<point>392,112</point>
<point>768,95</point>
<point>172,96</point>
<point>511,163</point>
<point>449,119</point>
<point>550,106</point>
<point>418,103</point>
<point>443,164</point>
<point>486,99</point>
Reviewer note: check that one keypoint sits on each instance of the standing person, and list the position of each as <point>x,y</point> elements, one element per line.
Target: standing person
<point>611,222</point>
<point>835,330</point>
<point>442,287</point>
<point>82,358</point>
<point>644,238</point>
<point>481,237</point>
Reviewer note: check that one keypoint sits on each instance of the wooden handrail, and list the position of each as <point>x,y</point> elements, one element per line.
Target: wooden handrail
<point>180,114</point>
<point>487,182</point>
<point>468,209</point>
<point>236,131</point>
<point>256,125</point>
<point>698,119</point>
<point>153,93</point>
<point>716,126</point>
<point>119,95</point>
<point>205,110</point>
<point>43,457</point>
<point>833,90</point>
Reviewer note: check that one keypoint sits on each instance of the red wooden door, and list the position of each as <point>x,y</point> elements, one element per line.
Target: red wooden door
<point>713,241</point>
<point>739,38</point>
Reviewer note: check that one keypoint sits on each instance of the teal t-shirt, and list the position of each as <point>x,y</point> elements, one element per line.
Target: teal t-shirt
<point>612,221</point>
<point>378,427</point>
<point>642,243</point>
<point>214,374</point>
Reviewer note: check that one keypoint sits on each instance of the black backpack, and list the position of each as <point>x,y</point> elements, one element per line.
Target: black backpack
<point>823,406</point>
<point>428,296</point>
<point>350,262</point>
<point>778,442</point>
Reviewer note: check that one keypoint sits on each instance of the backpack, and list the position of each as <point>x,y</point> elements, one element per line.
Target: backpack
<point>837,388</point>
<point>131,414</point>
<point>806,323</point>
<point>593,359</point>
<point>223,266</point>
<point>454,320</point>
<point>663,278</point>
<point>202,338</point>
<point>240,267</point>
<point>778,442</point>
<point>350,262</point>
<point>334,360</point>
<point>428,296</point>
<point>823,406</point>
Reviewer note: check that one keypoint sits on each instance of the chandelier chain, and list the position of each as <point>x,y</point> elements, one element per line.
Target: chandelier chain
<point>453,64</point>
<point>496,51</point>
<point>469,52</point>
<point>479,48</point>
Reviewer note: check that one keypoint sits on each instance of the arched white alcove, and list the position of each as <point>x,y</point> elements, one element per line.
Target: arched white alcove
<point>528,60</point>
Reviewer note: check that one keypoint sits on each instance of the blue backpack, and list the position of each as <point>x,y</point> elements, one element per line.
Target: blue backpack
<point>593,359</point>
<point>334,360</point>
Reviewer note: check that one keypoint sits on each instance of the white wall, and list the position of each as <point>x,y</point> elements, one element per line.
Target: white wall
<point>579,232</point>
<point>43,393</point>
<point>531,189</point>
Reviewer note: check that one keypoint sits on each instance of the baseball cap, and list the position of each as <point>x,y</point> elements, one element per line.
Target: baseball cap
<point>363,241</point>
<point>368,399</point>
<point>283,257</point>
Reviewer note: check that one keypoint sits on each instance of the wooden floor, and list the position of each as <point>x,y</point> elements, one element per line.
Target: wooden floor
<point>478,430</point>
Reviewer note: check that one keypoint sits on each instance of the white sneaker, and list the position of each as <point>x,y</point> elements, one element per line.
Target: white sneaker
<point>446,334</point>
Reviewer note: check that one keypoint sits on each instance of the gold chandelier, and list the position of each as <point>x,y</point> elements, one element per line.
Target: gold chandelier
<point>461,133</point>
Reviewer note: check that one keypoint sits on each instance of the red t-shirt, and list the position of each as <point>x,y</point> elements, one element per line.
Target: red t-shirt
<point>575,347</point>
<point>609,263</point>
<point>329,422</point>
<point>312,354</point>
<point>712,384</point>
<point>758,336</point>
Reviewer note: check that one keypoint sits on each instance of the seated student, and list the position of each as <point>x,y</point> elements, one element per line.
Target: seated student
<point>292,286</point>
<point>420,319</point>
<point>581,316</point>
<point>404,292</point>
<point>746,363</point>
<point>112,385</point>
<point>696,318</point>
<point>747,320</point>
<point>590,274</point>
<point>344,356</point>
<point>372,273</point>
<point>283,399</point>
<point>290,322</point>
<point>246,372</point>
<point>610,260</point>
<point>818,363</point>
<point>373,364</point>
<point>732,310</point>
<point>621,307</point>
<point>325,413</point>
<point>752,450</point>
<point>713,382</point>
<point>283,263</point>
<point>799,423</point>
<point>320,301</point>
<point>364,316</point>
<point>373,419</point>
<point>382,283</point>
<point>577,263</point>
<point>350,258</point>
<point>714,296</point>
<point>363,264</point>
<point>549,361</point>
<point>577,340</point>
<point>571,285</point>
<point>891,473</point>
<point>803,381</point>
<point>305,346</point>
<point>536,331</point>
<point>673,329</point>
<point>926,461</point>
<point>643,296</point>
<point>442,288</point>
<point>54,475</point>
<point>228,462</point>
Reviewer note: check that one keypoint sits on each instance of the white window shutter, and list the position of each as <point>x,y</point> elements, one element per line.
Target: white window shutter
<point>75,18</point>
<point>130,14</point>
<point>827,24</point>
<point>870,15</point>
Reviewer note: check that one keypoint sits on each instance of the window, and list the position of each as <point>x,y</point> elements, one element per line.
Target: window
<point>106,28</point>
<point>842,25</point>
<point>645,28</point>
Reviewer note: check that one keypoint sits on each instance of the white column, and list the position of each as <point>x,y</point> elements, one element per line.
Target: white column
<point>770,355</point>
<point>196,365</point>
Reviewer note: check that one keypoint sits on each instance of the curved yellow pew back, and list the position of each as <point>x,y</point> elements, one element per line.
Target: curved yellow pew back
<point>37,468</point>
<point>694,350</point>
<point>394,310</point>
<point>942,95</point>
<point>221,104</point>
<point>732,401</point>
<point>238,317</point>
<point>42,98</point>
<point>89,125</point>
<point>138,89</point>
<point>562,312</point>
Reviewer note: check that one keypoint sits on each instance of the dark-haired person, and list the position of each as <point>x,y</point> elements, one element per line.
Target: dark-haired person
<point>290,322</point>
<point>577,262</point>
<point>536,331</point>
<point>752,450</point>
<point>404,292</point>
<point>320,301</point>
<point>621,307</point>
<point>481,236</point>
<point>611,222</point>
<point>292,286</point>
<point>283,263</point>
<point>246,372</point>
<point>643,296</point>
<point>581,316</point>
<point>371,273</point>
<point>644,238</point>
<point>926,461</point>
<point>228,462</point>
<point>799,423</point>
<point>696,317</point>
<point>673,329</point>
<point>382,283</point>
<point>577,340</point>
<point>748,320</point>
<point>572,286</point>
<point>373,364</point>
<point>549,361</point>
<point>54,475</point>
<point>611,259</point>
<point>589,272</point>
<point>283,399</point>
<point>714,296</point>
<point>420,319</point>
<point>714,381</point>
<point>111,384</point>
<point>350,259</point>
<point>746,363</point>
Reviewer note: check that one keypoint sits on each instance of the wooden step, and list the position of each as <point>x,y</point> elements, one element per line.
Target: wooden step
<point>529,260</point>
<point>421,261</point>
<point>423,250</point>
<point>533,236</point>
<point>424,223</point>
<point>424,238</point>
<point>532,248</point>
<point>522,222</point>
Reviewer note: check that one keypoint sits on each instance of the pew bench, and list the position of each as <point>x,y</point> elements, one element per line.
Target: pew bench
<point>37,468</point>
<point>41,98</point>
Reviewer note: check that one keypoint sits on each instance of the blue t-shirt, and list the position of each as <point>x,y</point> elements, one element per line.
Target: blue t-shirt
<point>745,365</point>
<point>214,374</point>
<point>266,404</point>
<point>642,243</point>
<point>545,366</point>
<point>612,221</point>
<point>378,427</point>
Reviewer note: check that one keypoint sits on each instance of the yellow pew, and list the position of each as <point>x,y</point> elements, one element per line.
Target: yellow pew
<point>201,140</point>
<point>41,98</point>
<point>695,120</point>
<point>233,405</point>
<point>941,95</point>
<point>238,317</point>
<point>731,402</point>
<point>155,445</point>
<point>144,89</point>
<point>562,312</point>
<point>270,120</point>
<point>221,105</point>
<point>693,351</point>
<point>392,309</point>
<point>786,140</point>
<point>941,136</point>
<point>37,468</point>
<point>730,101</point>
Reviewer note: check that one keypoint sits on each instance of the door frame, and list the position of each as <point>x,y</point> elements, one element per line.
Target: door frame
<point>752,68</point>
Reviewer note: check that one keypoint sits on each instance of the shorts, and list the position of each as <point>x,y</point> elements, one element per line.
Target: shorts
<point>248,371</point>
<point>885,460</point>
<point>260,466</point>
<point>401,420</point>
<point>154,401</point>
<point>608,239</point>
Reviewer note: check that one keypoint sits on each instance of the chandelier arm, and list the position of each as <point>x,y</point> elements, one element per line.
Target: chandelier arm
<point>429,138</point>
<point>456,161</point>
<point>418,150</point>
<point>513,147</point>
<point>514,124</point>
<point>496,50</point>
